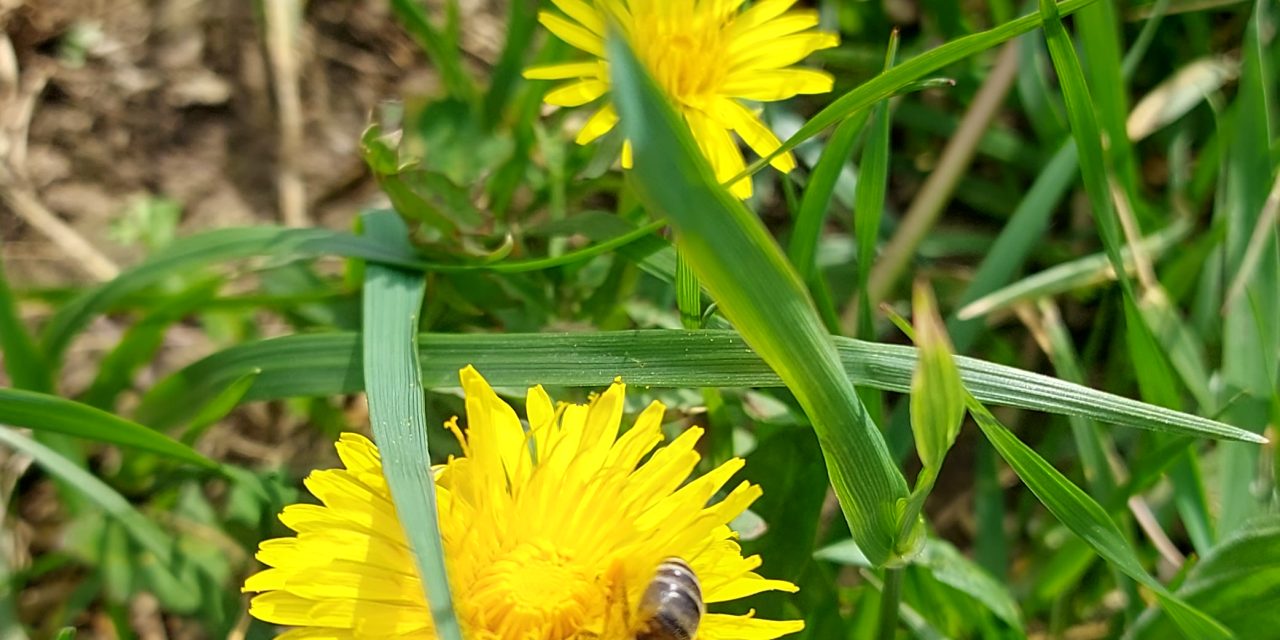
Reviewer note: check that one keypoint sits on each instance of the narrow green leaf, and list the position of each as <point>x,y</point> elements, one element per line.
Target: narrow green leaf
<point>43,412</point>
<point>397,413</point>
<point>1180,345</point>
<point>1087,519</point>
<point>140,342</point>
<point>1090,443</point>
<point>219,406</point>
<point>1072,275</point>
<point>23,360</point>
<point>1250,333</point>
<point>1099,31</point>
<point>1154,377</point>
<point>1017,240</point>
<point>754,286</point>
<point>819,192</point>
<point>522,22</point>
<point>948,566</point>
<point>1039,102</point>
<point>331,364</point>
<point>283,244</point>
<point>845,552</point>
<point>688,294</point>
<point>146,533</point>
<point>892,82</point>
<point>1084,126</point>
<point>869,195</point>
<point>187,254</point>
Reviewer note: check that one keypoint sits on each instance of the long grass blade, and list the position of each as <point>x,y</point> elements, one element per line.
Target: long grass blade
<point>819,192</point>
<point>869,196</point>
<point>1088,135</point>
<point>1069,276</point>
<point>331,363</point>
<point>901,77</point>
<point>44,412</point>
<point>746,272</point>
<point>146,533</point>
<point>441,46</point>
<point>1024,231</point>
<point>1250,333</point>
<point>397,412</point>
<point>1087,519</point>
<point>282,244</point>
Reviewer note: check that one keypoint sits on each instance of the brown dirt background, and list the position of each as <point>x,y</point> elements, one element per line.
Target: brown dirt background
<point>177,99</point>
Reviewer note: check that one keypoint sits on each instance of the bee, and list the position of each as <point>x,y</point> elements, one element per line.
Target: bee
<point>672,605</point>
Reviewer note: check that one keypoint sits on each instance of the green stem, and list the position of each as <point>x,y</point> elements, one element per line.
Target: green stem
<point>890,594</point>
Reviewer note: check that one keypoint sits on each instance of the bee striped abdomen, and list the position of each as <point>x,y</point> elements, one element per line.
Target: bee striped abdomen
<point>672,606</point>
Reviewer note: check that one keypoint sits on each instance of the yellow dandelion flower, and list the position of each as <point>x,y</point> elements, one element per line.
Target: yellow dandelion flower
<point>550,532</point>
<point>707,54</point>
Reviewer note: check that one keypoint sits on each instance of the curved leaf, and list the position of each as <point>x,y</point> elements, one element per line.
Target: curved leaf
<point>44,412</point>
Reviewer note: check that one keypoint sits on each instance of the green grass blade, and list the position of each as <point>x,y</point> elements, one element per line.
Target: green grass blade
<point>1250,333</point>
<point>688,294</point>
<point>949,566</point>
<point>538,264</point>
<point>201,250</point>
<point>1100,44</point>
<point>397,413</point>
<point>1072,275</point>
<point>1091,445</point>
<point>522,22</point>
<point>937,395</point>
<point>23,360</point>
<point>139,344</point>
<point>281,244</point>
<point>1154,377</point>
<point>443,50</point>
<point>1088,520</point>
<point>143,531</point>
<point>219,406</point>
<point>740,264</point>
<point>1019,237</point>
<point>869,195</point>
<point>331,364</point>
<point>820,189</point>
<point>953,568</point>
<point>901,77</point>
<point>1084,127</point>
<point>1181,345</point>
<point>819,192</point>
<point>43,412</point>
<point>1038,101</point>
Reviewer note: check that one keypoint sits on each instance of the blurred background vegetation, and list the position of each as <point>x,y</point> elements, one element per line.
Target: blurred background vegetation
<point>129,125</point>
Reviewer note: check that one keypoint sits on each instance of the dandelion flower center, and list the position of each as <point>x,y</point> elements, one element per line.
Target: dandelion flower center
<point>533,587</point>
<point>680,54</point>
